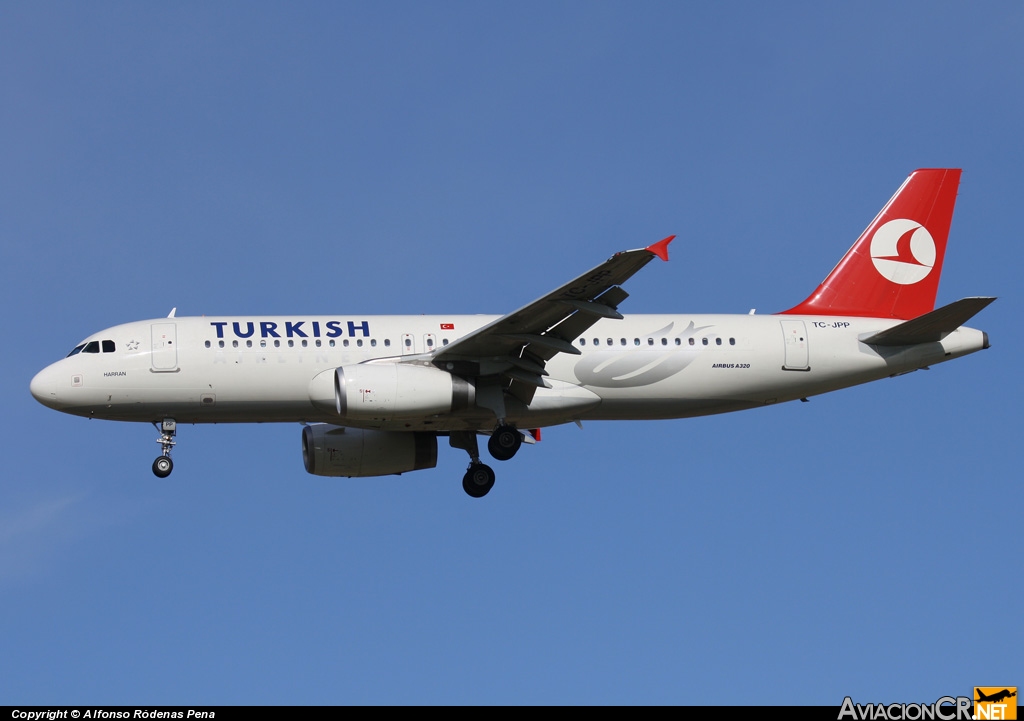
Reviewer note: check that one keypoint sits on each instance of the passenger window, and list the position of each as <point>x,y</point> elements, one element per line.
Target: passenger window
<point>305,343</point>
<point>277,344</point>
<point>207,344</point>
<point>664,341</point>
<point>220,344</point>
<point>597,342</point>
<point>317,341</point>
<point>331,342</point>
<point>387,342</point>
<point>248,344</point>
<point>108,346</point>
<point>234,344</point>
<point>610,341</point>
<point>636,341</point>
<point>650,341</point>
<point>704,341</point>
<point>430,342</point>
<point>359,342</point>
<point>345,342</point>
<point>263,343</point>
<point>622,341</point>
<point>408,342</point>
<point>583,341</point>
<point>732,341</point>
<point>443,342</point>
<point>373,342</point>
<point>92,347</point>
<point>680,342</point>
<point>691,341</point>
<point>291,343</point>
<point>718,341</point>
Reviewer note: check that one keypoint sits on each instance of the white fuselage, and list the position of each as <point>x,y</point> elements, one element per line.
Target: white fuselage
<point>264,369</point>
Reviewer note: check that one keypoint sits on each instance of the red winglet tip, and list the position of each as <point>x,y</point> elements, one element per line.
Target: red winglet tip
<point>660,248</point>
<point>535,432</point>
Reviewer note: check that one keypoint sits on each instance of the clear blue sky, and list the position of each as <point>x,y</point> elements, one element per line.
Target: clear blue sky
<point>362,158</point>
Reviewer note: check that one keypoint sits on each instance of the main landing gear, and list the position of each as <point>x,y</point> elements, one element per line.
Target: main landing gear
<point>479,479</point>
<point>163,465</point>
<point>503,444</point>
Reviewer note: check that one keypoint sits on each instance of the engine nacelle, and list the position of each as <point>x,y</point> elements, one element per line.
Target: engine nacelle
<point>385,391</point>
<point>354,452</point>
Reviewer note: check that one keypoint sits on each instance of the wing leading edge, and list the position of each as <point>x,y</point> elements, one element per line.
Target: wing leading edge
<point>513,350</point>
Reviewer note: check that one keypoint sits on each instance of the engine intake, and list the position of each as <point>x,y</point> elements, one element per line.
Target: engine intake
<point>356,452</point>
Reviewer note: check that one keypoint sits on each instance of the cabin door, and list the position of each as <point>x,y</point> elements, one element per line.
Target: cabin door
<point>165,347</point>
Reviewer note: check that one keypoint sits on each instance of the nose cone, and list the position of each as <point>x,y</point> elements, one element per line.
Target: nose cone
<point>44,387</point>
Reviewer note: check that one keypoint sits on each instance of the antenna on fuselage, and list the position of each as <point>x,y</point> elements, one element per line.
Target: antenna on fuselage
<point>173,311</point>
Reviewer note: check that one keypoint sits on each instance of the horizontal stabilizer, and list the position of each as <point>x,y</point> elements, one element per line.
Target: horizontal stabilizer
<point>930,327</point>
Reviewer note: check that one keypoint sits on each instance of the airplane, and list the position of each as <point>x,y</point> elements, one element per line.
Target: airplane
<point>374,393</point>
<point>996,697</point>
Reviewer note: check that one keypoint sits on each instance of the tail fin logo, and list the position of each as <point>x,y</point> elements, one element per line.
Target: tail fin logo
<point>903,251</point>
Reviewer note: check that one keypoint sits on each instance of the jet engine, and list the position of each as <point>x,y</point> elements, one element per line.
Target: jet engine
<point>385,391</point>
<point>354,452</point>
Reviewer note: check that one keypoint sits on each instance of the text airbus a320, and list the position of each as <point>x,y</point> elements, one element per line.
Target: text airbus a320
<point>374,394</point>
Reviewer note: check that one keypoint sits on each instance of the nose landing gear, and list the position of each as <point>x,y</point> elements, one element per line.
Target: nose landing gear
<point>163,465</point>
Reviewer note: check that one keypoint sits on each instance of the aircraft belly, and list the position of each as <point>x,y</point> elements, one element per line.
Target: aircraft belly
<point>660,409</point>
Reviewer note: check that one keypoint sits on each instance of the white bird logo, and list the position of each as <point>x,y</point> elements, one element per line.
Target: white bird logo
<point>903,251</point>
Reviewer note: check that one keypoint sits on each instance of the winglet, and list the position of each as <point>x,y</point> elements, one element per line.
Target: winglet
<point>660,248</point>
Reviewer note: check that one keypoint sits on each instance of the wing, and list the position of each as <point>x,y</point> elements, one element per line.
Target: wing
<point>513,350</point>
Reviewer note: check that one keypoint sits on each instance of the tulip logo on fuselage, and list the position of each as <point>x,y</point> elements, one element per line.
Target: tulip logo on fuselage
<point>903,251</point>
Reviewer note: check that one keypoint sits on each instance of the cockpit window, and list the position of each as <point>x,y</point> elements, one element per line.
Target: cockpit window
<point>76,349</point>
<point>108,346</point>
<point>92,346</point>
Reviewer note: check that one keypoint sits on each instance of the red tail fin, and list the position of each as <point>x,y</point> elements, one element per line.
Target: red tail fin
<point>893,269</point>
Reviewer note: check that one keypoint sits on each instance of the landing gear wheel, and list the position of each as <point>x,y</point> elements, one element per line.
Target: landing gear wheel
<point>504,442</point>
<point>479,479</point>
<point>162,467</point>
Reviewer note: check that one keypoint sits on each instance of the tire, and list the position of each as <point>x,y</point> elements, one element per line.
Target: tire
<point>162,467</point>
<point>504,443</point>
<point>478,481</point>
